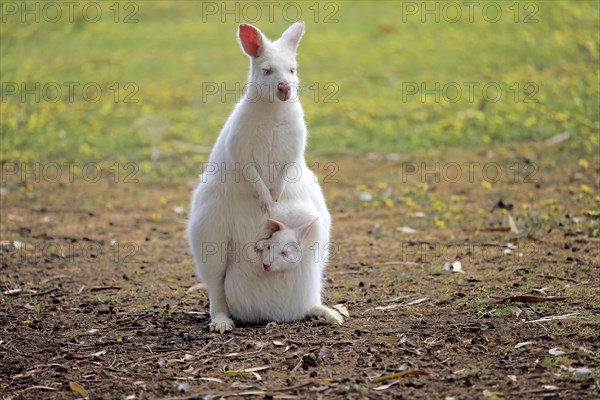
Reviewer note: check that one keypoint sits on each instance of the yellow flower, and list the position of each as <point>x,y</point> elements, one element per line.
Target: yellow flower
<point>561,116</point>
<point>583,163</point>
<point>531,121</point>
<point>439,222</point>
<point>586,189</point>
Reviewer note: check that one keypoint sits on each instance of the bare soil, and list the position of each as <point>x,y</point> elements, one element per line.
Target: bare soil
<point>96,295</point>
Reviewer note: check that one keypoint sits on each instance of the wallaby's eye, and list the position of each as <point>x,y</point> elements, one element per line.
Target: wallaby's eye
<point>268,247</point>
<point>267,71</point>
<point>292,70</point>
<point>284,253</point>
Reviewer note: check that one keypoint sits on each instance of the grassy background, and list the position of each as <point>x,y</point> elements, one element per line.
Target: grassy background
<point>368,57</point>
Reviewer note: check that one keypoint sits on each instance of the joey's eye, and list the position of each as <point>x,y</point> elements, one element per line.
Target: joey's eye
<point>268,246</point>
<point>284,253</point>
<point>267,71</point>
<point>292,70</point>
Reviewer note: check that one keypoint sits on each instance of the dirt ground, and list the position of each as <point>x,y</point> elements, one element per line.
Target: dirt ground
<point>98,296</point>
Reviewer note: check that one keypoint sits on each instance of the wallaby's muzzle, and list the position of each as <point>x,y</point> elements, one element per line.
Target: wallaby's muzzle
<point>284,91</point>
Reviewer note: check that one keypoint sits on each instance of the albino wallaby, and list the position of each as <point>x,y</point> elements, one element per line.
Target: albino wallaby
<point>246,176</point>
<point>288,286</point>
<point>286,246</point>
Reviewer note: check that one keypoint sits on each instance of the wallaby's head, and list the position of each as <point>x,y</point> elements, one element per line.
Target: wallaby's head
<point>285,246</point>
<point>272,64</point>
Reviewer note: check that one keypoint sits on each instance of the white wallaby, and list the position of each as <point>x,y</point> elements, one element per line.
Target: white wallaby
<point>262,142</point>
<point>286,283</point>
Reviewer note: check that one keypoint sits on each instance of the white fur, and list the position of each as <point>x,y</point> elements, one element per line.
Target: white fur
<point>229,210</point>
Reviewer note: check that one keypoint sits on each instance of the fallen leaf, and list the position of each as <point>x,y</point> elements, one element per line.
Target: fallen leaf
<point>406,229</point>
<point>522,344</point>
<point>397,299</point>
<point>492,395</point>
<point>583,371</point>
<point>77,388</point>
<point>412,303</point>
<point>556,139</point>
<point>517,312</point>
<point>197,287</point>
<point>550,387</point>
<point>277,343</point>
<point>554,317</point>
<point>528,299</point>
<point>42,388</point>
<point>456,266</point>
<point>556,351</point>
<point>342,310</point>
<point>365,196</point>
<point>390,307</point>
<point>246,371</point>
<point>541,291</point>
<point>389,385</point>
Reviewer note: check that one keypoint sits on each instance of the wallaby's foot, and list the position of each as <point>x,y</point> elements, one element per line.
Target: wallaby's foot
<point>221,323</point>
<point>330,315</point>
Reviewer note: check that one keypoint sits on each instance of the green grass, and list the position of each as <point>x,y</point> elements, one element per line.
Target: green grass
<point>368,57</point>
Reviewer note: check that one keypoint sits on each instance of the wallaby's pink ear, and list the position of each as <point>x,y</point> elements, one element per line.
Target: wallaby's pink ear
<point>293,34</point>
<point>274,225</point>
<point>251,40</point>
<point>304,230</point>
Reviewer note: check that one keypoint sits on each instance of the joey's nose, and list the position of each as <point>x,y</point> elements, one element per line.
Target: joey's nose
<point>284,91</point>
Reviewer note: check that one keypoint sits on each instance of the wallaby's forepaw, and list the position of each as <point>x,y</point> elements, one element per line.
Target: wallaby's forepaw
<point>221,323</point>
<point>266,206</point>
<point>260,245</point>
<point>330,315</point>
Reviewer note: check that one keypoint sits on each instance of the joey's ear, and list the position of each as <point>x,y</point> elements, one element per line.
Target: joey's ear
<point>304,230</point>
<point>293,34</point>
<point>274,226</point>
<point>251,39</point>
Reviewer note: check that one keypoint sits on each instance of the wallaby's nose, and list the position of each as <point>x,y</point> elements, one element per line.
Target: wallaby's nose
<point>284,91</point>
<point>267,265</point>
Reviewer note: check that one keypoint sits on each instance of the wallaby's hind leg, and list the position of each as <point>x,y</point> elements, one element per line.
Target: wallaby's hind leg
<point>208,241</point>
<point>330,315</point>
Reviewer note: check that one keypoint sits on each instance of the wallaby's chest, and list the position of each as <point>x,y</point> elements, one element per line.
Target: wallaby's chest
<point>281,143</point>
